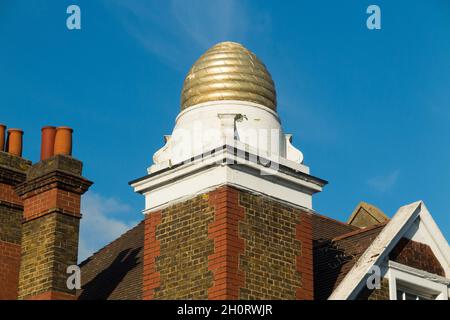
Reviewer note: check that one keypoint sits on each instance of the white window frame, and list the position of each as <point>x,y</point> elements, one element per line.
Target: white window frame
<point>418,280</point>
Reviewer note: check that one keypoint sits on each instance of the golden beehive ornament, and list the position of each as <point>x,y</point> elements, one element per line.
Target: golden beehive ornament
<point>228,71</point>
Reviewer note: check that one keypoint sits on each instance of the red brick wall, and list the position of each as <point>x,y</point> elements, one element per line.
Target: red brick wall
<point>376,294</point>
<point>49,246</point>
<point>10,234</point>
<point>416,255</point>
<point>52,295</point>
<point>9,270</point>
<point>219,225</point>
<point>36,204</point>
<point>277,260</point>
<point>184,247</point>
<point>152,250</point>
<point>50,230</point>
<point>228,245</point>
<point>305,258</point>
<point>50,242</point>
<point>7,194</point>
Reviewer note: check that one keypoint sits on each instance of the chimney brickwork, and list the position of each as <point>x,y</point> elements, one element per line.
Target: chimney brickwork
<point>12,172</point>
<point>39,216</point>
<point>51,197</point>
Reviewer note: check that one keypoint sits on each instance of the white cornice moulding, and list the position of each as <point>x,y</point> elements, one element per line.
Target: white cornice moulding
<point>418,273</point>
<point>226,167</point>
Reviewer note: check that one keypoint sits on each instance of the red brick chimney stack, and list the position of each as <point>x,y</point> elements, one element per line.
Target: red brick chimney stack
<point>51,198</point>
<point>13,170</point>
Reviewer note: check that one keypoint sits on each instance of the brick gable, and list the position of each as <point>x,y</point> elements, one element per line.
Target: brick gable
<point>416,255</point>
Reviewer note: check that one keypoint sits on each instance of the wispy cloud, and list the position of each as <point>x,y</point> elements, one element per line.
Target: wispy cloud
<point>207,22</point>
<point>104,219</point>
<point>171,29</point>
<point>385,182</point>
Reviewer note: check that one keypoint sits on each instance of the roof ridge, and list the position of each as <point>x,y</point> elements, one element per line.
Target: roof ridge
<point>335,220</point>
<point>356,232</point>
<point>371,209</point>
<point>111,243</point>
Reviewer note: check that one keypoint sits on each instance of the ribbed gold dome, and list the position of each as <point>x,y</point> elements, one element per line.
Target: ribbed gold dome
<point>228,71</point>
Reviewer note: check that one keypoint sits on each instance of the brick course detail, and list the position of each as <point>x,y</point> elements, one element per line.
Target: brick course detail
<point>7,194</point>
<point>184,249</point>
<point>10,223</point>
<point>12,172</point>
<point>376,294</point>
<point>52,295</point>
<point>50,230</point>
<point>416,255</point>
<point>49,246</point>
<point>278,250</point>
<point>9,270</point>
<point>304,260</point>
<point>152,250</point>
<point>41,203</point>
<point>228,244</point>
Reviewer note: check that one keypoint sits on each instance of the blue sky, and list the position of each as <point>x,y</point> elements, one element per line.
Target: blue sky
<point>369,109</point>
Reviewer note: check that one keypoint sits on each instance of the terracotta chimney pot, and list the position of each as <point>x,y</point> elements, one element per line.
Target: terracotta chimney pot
<point>63,141</point>
<point>2,137</point>
<point>47,142</point>
<point>15,137</point>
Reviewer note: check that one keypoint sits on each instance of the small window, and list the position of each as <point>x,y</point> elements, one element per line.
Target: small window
<point>406,294</point>
<point>407,283</point>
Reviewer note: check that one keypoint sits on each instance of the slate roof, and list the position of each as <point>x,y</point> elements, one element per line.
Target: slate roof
<point>334,258</point>
<point>115,272</point>
<point>325,228</point>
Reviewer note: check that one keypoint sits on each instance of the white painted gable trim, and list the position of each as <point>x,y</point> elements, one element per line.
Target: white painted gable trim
<point>377,252</point>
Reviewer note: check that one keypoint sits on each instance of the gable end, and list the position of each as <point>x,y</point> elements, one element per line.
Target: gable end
<point>416,255</point>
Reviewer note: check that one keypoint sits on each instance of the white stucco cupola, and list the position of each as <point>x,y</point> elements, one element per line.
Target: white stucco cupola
<point>228,133</point>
